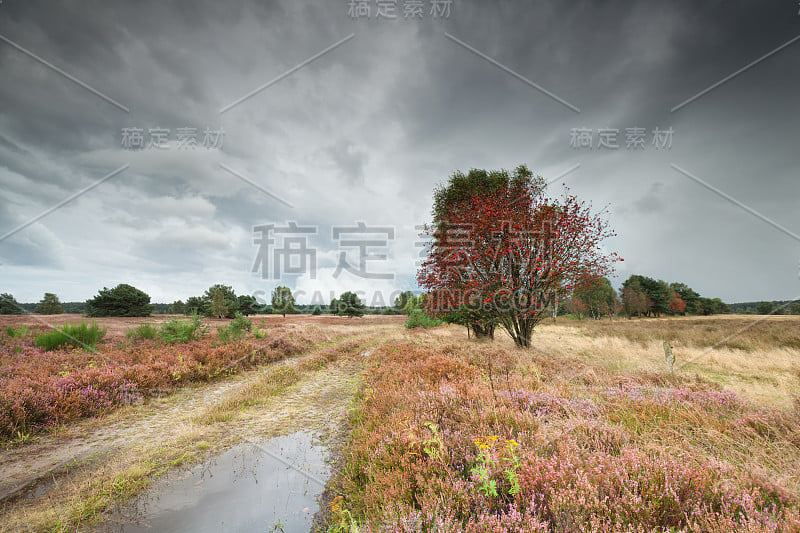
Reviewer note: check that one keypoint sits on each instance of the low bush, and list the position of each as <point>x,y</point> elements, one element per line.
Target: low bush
<point>75,335</point>
<point>236,330</point>
<point>181,330</point>
<point>420,319</point>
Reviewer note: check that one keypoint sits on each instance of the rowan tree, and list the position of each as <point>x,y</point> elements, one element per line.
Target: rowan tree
<point>507,251</point>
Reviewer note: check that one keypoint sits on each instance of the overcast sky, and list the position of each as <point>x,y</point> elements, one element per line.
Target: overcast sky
<point>332,118</point>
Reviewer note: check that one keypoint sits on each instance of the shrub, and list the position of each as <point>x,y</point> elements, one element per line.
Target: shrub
<point>419,319</point>
<point>178,330</point>
<point>240,323</point>
<point>143,331</point>
<point>75,335</point>
<point>236,329</point>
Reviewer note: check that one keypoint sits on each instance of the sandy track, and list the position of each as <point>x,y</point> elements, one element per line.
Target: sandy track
<point>318,399</point>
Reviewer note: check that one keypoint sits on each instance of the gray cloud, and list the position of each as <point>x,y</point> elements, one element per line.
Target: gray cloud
<point>367,130</point>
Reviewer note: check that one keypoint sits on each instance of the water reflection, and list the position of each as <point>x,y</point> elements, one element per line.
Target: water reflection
<point>267,486</point>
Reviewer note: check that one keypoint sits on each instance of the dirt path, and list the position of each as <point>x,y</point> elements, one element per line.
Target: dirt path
<point>48,484</point>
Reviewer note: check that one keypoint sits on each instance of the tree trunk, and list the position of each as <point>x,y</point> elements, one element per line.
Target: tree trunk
<point>481,332</point>
<point>555,308</point>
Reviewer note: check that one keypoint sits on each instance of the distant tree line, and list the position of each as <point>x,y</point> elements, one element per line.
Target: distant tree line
<point>640,296</point>
<point>775,307</point>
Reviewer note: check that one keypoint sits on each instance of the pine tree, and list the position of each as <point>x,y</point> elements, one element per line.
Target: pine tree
<point>219,308</point>
<point>49,305</point>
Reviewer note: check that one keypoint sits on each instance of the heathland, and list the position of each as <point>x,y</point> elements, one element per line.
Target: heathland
<point>587,430</point>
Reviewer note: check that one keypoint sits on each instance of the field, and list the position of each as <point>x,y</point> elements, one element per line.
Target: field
<point>586,431</point>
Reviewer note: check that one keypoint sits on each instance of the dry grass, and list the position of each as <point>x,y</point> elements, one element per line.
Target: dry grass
<point>603,438</point>
<point>760,359</point>
<point>287,396</point>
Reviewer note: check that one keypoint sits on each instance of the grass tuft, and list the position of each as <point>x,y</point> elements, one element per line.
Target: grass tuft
<point>74,335</point>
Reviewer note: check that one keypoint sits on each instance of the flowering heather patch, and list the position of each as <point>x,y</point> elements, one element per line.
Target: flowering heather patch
<point>437,444</point>
<point>40,389</point>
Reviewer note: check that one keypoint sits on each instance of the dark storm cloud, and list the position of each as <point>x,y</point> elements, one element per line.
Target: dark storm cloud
<point>365,131</point>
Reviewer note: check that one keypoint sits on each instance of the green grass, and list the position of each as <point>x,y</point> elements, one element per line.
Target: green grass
<point>143,331</point>
<point>13,332</point>
<point>80,335</point>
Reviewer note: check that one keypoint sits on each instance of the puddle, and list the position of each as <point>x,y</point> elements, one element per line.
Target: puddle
<point>263,487</point>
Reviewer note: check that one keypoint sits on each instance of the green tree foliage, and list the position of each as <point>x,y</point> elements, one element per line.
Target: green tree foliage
<point>350,305</point>
<point>644,296</point>
<point>316,311</point>
<point>8,305</point>
<point>658,293</point>
<point>598,296</point>
<point>229,297</point>
<point>219,308</point>
<point>194,305</point>
<point>177,308</point>
<point>248,305</point>
<point>461,187</point>
<point>420,319</point>
<point>711,306</point>
<point>49,305</point>
<point>765,308</point>
<point>283,301</point>
<point>478,323</point>
<point>401,302</point>
<point>122,300</point>
<point>794,308</point>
